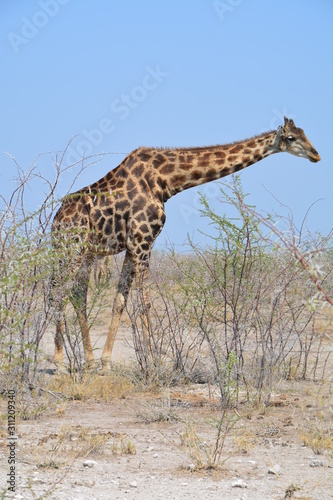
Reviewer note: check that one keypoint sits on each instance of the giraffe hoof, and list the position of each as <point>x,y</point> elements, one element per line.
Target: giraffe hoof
<point>106,365</point>
<point>90,366</point>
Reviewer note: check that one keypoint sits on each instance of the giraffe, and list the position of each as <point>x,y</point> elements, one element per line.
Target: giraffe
<point>125,211</point>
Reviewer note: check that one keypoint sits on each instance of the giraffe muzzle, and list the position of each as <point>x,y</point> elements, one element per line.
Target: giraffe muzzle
<point>313,156</point>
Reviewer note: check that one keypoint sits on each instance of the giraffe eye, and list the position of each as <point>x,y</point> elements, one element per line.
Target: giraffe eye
<point>291,138</point>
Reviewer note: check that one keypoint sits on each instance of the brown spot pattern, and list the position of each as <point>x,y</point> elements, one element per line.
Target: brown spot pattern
<point>127,204</point>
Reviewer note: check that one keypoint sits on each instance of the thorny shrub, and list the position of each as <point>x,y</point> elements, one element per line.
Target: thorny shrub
<point>27,263</point>
<point>241,312</point>
<point>245,296</point>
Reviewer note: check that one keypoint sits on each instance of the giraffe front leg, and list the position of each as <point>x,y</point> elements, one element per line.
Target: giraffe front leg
<point>117,311</point>
<point>142,284</point>
<point>58,357</point>
<point>124,285</point>
<point>87,347</point>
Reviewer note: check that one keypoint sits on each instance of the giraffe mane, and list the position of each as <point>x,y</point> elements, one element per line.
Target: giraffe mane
<point>203,148</point>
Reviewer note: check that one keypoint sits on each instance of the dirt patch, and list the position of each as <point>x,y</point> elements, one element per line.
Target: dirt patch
<point>158,445</point>
<point>141,450</point>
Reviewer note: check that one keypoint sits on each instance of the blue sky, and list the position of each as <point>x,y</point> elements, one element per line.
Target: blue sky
<point>122,74</point>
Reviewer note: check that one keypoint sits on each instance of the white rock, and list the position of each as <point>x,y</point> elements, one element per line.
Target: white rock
<point>37,480</point>
<point>133,484</point>
<point>317,463</point>
<point>89,463</point>
<point>276,469</point>
<point>239,483</point>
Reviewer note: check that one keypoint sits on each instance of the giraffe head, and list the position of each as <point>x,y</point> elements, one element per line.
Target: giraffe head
<point>292,139</point>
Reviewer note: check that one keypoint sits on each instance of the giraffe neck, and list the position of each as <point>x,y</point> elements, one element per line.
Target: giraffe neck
<point>166,172</point>
<point>185,168</point>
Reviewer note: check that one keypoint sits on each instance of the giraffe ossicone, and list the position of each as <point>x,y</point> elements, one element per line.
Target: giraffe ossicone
<point>124,211</point>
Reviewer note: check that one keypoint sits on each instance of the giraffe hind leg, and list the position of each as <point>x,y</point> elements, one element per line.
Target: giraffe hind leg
<point>78,298</point>
<point>56,300</point>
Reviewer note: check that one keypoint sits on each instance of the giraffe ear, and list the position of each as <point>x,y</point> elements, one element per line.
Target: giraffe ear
<point>285,121</point>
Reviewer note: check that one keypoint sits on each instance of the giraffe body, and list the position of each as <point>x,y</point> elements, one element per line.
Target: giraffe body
<point>124,211</point>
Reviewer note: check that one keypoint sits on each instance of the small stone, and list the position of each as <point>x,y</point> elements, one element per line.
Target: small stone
<point>37,480</point>
<point>317,463</point>
<point>239,483</point>
<point>89,483</point>
<point>276,469</point>
<point>89,463</point>
<point>133,484</point>
<point>156,455</point>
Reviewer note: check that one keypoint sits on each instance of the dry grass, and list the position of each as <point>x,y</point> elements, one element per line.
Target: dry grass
<point>324,321</point>
<point>319,438</point>
<point>57,450</point>
<point>158,410</point>
<point>245,440</point>
<point>123,446</point>
<point>317,431</point>
<point>198,450</point>
<point>205,454</point>
<point>92,386</point>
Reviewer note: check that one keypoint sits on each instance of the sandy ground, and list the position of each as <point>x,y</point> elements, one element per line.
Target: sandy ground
<point>146,452</point>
